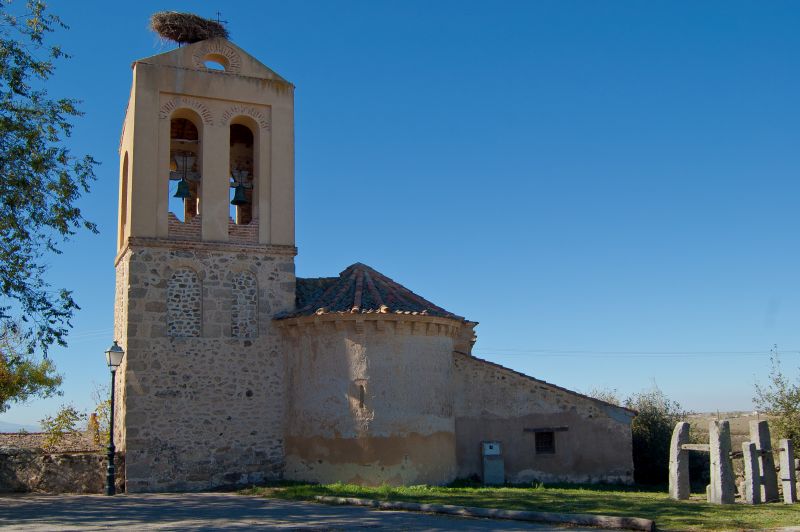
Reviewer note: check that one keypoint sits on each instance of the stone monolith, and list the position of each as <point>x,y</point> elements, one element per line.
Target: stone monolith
<point>723,482</point>
<point>788,476</point>
<point>679,463</point>
<point>768,479</point>
<point>752,487</point>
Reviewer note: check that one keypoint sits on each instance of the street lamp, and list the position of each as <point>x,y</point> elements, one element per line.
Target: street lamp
<point>114,356</point>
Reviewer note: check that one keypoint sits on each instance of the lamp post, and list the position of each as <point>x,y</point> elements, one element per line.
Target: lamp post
<point>114,356</point>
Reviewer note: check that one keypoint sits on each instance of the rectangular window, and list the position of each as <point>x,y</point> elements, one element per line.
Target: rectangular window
<point>545,442</point>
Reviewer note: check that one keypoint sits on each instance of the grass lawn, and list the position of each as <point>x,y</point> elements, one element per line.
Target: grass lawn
<point>694,514</point>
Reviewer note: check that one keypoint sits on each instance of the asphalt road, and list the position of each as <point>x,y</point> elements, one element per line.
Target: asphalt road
<point>214,511</point>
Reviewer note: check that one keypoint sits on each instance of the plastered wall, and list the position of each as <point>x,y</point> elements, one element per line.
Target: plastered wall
<point>495,403</point>
<point>399,430</point>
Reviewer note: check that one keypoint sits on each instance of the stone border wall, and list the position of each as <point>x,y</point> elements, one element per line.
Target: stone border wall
<point>34,470</point>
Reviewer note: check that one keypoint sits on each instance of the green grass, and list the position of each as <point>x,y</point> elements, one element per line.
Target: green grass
<point>694,514</point>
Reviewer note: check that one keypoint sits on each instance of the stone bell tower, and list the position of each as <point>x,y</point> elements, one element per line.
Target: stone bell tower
<point>205,259</point>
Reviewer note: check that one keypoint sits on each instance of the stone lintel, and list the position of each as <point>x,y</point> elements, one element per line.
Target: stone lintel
<point>702,447</point>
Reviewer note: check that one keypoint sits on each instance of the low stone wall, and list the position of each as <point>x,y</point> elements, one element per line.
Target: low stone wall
<point>36,470</point>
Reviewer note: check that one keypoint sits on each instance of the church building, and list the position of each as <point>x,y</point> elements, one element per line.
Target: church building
<point>237,372</point>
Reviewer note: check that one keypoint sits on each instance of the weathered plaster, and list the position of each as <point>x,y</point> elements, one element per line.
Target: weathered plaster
<point>403,433</point>
<point>495,403</point>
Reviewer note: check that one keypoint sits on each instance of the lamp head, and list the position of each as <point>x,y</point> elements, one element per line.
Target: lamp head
<point>114,356</point>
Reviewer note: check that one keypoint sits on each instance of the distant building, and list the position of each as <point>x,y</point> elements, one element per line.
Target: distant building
<point>237,372</point>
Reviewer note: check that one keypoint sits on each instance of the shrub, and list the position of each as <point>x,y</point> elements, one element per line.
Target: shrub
<point>780,399</point>
<point>65,423</point>
<point>652,431</point>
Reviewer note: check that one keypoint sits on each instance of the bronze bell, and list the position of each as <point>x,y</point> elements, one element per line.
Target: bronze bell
<point>183,191</point>
<point>239,196</point>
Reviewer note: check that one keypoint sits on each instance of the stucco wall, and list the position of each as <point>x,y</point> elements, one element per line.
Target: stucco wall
<point>403,434</point>
<point>495,403</point>
<point>207,410</point>
<point>177,84</point>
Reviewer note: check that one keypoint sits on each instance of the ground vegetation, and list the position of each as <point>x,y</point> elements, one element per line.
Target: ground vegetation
<point>631,501</point>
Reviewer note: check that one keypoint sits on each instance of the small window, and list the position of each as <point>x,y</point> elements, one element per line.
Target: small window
<point>215,62</point>
<point>545,443</point>
<point>360,396</point>
<point>213,65</point>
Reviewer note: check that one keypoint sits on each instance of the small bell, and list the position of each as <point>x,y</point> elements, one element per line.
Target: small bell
<point>183,191</point>
<point>239,196</point>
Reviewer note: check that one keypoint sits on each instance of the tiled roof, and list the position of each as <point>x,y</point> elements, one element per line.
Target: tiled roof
<point>360,289</point>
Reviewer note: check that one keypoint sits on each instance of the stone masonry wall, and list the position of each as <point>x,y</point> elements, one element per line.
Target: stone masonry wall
<point>121,293</point>
<point>33,470</point>
<point>204,411</point>
<point>184,304</point>
<point>492,403</point>
<point>244,311</point>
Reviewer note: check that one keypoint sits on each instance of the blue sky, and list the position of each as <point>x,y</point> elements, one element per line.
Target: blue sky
<point>610,188</point>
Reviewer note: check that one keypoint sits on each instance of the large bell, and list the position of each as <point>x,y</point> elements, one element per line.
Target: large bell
<point>239,196</point>
<point>183,191</point>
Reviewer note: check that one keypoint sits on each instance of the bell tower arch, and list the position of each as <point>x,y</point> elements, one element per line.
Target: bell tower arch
<point>205,259</point>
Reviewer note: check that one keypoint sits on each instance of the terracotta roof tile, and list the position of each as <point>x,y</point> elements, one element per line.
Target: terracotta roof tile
<point>360,289</point>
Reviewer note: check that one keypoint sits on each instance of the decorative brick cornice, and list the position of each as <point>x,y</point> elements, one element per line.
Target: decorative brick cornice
<point>383,323</point>
<point>179,102</point>
<point>219,48</point>
<point>229,247</point>
<point>245,110</point>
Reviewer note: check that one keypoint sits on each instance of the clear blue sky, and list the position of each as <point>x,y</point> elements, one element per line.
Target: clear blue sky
<point>612,189</point>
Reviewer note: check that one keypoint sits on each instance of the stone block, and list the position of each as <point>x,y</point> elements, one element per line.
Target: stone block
<point>679,463</point>
<point>723,481</point>
<point>768,479</point>
<point>788,474</point>
<point>752,485</point>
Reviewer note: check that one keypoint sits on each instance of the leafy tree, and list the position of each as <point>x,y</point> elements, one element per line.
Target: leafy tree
<point>652,431</point>
<point>100,422</point>
<point>40,180</point>
<point>780,399</point>
<point>59,427</point>
<point>21,375</point>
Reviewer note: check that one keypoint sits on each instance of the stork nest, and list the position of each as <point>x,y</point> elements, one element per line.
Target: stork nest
<point>186,28</point>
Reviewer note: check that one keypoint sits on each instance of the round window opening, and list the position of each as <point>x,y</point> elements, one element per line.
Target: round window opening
<point>215,62</point>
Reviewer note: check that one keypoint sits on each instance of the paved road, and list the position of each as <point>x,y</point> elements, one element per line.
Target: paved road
<point>213,511</point>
